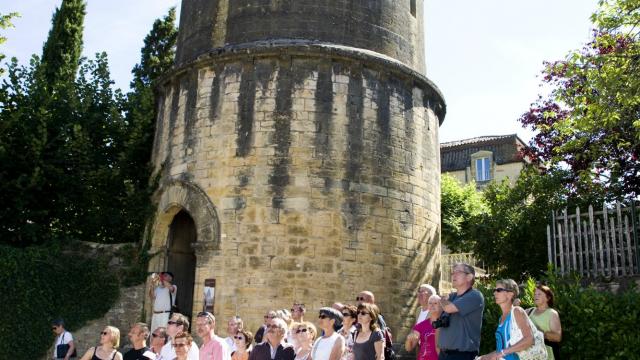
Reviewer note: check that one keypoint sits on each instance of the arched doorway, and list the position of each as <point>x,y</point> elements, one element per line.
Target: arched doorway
<point>182,259</point>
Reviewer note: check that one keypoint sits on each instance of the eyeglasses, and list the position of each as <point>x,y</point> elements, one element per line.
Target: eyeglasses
<point>239,337</point>
<point>322,316</point>
<point>499,290</point>
<point>54,328</point>
<point>176,323</point>
<point>104,333</point>
<point>363,313</point>
<point>157,335</point>
<point>179,345</point>
<point>301,331</point>
<point>269,317</point>
<point>346,314</point>
<point>360,298</point>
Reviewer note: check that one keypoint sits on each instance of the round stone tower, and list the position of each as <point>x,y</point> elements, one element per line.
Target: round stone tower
<point>298,155</point>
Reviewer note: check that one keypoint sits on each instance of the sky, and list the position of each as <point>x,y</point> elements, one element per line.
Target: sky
<point>485,56</point>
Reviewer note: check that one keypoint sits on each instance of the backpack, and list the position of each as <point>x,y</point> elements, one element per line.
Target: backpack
<point>389,353</point>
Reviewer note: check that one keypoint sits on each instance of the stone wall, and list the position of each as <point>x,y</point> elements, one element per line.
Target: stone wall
<point>309,178</point>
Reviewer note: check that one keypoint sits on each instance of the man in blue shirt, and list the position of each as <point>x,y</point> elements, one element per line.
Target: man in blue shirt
<point>461,322</point>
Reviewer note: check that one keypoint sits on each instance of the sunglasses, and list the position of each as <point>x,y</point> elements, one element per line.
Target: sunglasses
<point>363,313</point>
<point>499,290</point>
<point>346,314</point>
<point>269,317</point>
<point>239,337</point>
<point>322,316</point>
<point>104,333</point>
<point>54,328</point>
<point>301,331</point>
<point>176,323</point>
<point>360,298</point>
<point>157,335</point>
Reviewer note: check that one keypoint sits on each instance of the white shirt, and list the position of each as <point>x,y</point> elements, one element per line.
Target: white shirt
<point>62,339</point>
<point>424,314</point>
<point>169,353</point>
<point>323,347</point>
<point>161,302</point>
<point>231,343</point>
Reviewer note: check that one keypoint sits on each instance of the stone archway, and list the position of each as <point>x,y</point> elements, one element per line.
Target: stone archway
<point>186,224</point>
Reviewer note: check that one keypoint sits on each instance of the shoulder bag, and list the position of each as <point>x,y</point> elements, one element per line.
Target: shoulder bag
<point>537,351</point>
<point>62,349</point>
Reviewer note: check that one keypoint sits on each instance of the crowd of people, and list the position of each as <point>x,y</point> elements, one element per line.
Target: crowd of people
<point>446,328</point>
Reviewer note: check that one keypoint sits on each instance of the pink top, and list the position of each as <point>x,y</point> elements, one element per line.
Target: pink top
<point>427,340</point>
<point>215,349</point>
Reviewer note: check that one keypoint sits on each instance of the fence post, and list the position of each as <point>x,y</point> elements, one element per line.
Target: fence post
<point>605,227</point>
<point>621,239</point>
<point>566,238</point>
<point>579,235</point>
<point>561,248</point>
<point>549,253</point>
<point>554,242</point>
<point>634,231</point>
<point>593,242</point>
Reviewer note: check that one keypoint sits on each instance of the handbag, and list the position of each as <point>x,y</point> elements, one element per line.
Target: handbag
<point>537,351</point>
<point>62,349</point>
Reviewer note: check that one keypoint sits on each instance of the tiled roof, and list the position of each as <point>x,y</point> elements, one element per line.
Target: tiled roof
<point>456,155</point>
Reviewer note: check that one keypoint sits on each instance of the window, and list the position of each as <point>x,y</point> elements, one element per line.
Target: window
<point>413,7</point>
<point>483,169</point>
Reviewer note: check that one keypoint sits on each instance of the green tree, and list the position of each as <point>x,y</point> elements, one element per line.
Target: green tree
<point>511,235</point>
<point>5,22</point>
<point>590,121</point>
<point>461,207</point>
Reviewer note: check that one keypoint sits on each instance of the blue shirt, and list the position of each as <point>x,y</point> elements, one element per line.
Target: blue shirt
<point>502,338</point>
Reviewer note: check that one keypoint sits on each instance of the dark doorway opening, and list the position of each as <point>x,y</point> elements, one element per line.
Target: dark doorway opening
<point>182,259</point>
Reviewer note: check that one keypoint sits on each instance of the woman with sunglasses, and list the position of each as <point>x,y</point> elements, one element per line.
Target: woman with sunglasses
<point>330,345</point>
<point>109,342</point>
<point>505,293</point>
<point>242,339</point>
<point>304,333</point>
<point>182,343</point>
<point>349,316</point>
<point>369,340</point>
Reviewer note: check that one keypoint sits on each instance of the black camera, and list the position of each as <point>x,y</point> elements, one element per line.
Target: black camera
<point>442,322</point>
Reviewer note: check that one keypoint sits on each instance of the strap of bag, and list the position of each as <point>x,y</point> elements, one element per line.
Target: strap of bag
<point>530,311</point>
<point>170,300</point>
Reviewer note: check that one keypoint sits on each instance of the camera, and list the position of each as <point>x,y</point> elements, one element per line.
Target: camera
<point>442,322</point>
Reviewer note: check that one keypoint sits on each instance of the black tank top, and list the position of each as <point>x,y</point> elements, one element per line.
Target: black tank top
<point>95,357</point>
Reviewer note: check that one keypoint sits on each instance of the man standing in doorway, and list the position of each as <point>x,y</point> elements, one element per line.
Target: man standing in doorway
<point>163,296</point>
<point>461,322</point>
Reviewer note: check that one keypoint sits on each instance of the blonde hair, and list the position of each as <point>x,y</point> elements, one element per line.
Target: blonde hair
<point>114,332</point>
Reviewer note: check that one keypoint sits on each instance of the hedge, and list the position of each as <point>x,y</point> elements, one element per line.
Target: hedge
<point>596,324</point>
<point>43,283</point>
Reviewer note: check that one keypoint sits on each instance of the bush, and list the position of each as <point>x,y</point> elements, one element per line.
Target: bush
<point>43,283</point>
<point>595,324</point>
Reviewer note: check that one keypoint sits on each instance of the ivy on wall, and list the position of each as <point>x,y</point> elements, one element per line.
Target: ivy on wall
<point>43,283</point>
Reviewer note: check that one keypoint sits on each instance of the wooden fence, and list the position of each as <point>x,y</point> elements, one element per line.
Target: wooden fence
<point>595,243</point>
<point>446,263</point>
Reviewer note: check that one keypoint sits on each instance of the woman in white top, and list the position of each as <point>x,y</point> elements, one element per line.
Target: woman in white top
<point>330,345</point>
<point>304,333</point>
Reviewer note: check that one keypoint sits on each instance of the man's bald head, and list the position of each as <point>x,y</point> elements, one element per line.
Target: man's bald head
<point>366,297</point>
